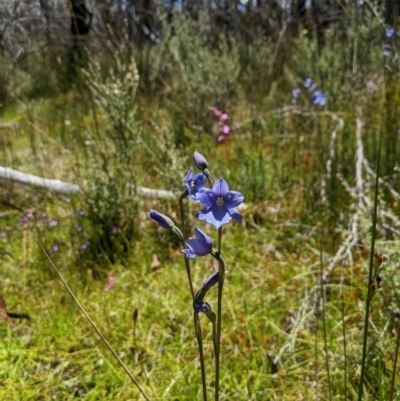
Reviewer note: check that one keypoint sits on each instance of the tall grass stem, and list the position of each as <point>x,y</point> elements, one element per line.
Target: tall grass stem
<point>396,354</point>
<point>87,317</point>
<point>370,275</point>
<point>324,326</point>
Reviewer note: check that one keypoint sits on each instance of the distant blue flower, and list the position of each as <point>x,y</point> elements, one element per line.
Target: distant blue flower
<point>220,204</point>
<point>313,87</point>
<point>200,161</point>
<point>390,33</point>
<point>54,248</point>
<point>162,220</point>
<point>307,83</point>
<point>202,306</point>
<point>194,183</point>
<point>25,219</point>
<point>200,246</point>
<point>319,98</point>
<point>3,234</point>
<point>295,92</point>
<point>80,213</point>
<point>53,223</point>
<point>386,49</point>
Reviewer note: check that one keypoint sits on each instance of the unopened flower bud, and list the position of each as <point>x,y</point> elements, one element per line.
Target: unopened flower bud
<point>200,161</point>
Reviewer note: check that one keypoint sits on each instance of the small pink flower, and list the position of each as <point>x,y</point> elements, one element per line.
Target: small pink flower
<point>216,112</point>
<point>226,129</point>
<point>220,138</point>
<point>224,116</point>
<point>111,284</point>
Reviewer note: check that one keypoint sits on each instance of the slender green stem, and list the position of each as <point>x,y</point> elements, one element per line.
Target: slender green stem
<point>197,326</point>
<point>370,276</point>
<point>214,334</point>
<point>182,212</point>
<point>221,266</point>
<point>396,354</point>
<point>124,367</point>
<point>344,336</point>
<point>316,368</point>
<point>324,327</point>
<point>187,264</point>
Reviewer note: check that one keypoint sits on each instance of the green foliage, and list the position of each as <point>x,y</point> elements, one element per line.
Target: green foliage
<point>109,175</point>
<point>204,75</point>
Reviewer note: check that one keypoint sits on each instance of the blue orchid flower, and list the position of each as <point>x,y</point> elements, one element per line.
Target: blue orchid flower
<point>220,204</point>
<point>200,246</point>
<point>194,183</point>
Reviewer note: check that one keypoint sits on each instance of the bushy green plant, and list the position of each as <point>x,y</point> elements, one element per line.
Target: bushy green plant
<point>110,173</point>
<point>205,75</point>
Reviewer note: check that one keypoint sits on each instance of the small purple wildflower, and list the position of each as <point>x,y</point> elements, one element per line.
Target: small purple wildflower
<point>85,245</point>
<point>3,234</point>
<point>219,204</point>
<point>54,248</point>
<point>200,246</point>
<point>67,200</point>
<point>79,229</point>
<point>160,351</point>
<point>115,230</point>
<point>296,92</point>
<point>224,117</point>
<point>390,32</point>
<point>80,213</point>
<point>307,83</point>
<point>194,183</point>
<point>53,223</point>
<point>319,98</point>
<point>24,220</point>
<point>44,215</point>
<point>386,49</point>
<point>226,129</point>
